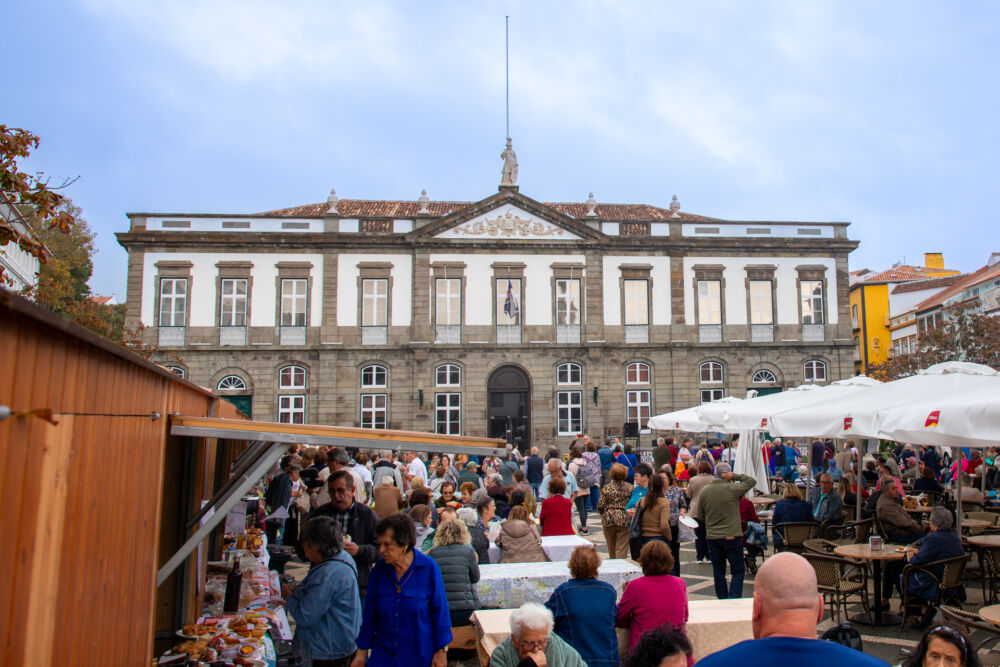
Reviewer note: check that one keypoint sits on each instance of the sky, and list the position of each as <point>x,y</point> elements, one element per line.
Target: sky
<point>881,114</point>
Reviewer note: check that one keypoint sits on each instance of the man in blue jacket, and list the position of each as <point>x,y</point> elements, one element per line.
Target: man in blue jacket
<point>939,544</point>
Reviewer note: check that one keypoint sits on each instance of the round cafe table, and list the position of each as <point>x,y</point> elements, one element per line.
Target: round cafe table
<point>764,501</point>
<point>865,552</point>
<point>991,614</point>
<point>985,540</point>
<point>975,523</point>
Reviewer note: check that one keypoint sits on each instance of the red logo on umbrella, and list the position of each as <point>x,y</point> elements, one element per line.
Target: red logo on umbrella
<point>848,422</point>
<point>932,419</point>
<point>763,422</point>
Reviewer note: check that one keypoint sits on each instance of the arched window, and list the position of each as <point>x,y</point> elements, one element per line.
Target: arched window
<point>292,377</point>
<point>814,371</point>
<point>711,372</point>
<point>569,373</point>
<point>374,376</point>
<point>232,382</point>
<point>637,373</point>
<point>446,375</point>
<point>177,370</point>
<point>764,376</point>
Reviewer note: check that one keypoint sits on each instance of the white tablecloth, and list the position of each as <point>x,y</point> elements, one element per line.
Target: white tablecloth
<point>509,585</point>
<point>556,547</point>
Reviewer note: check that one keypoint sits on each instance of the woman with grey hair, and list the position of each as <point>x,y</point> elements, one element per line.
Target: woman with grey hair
<point>459,569</point>
<point>532,642</point>
<point>480,542</point>
<point>940,543</point>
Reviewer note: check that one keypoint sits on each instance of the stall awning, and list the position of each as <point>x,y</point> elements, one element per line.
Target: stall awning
<point>335,436</point>
<point>271,440</point>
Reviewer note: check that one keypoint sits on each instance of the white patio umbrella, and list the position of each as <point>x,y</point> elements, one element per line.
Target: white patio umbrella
<point>854,414</point>
<point>749,459</point>
<point>689,420</point>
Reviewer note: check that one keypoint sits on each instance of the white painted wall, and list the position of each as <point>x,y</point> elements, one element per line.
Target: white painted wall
<point>536,297</point>
<point>203,293</point>
<point>785,290</point>
<point>659,274</point>
<point>905,301</point>
<point>400,306</point>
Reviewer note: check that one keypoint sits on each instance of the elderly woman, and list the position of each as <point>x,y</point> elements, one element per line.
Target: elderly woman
<point>531,642</point>
<point>459,569</point>
<point>405,619</point>
<point>519,539</point>
<point>496,491</point>
<point>611,506</point>
<point>556,516</point>
<point>655,598</point>
<point>943,645</point>
<point>450,472</point>
<point>940,543</point>
<point>325,606</point>
<point>480,543</point>
<point>584,609</point>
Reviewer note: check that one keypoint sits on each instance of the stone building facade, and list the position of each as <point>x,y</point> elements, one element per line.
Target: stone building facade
<point>505,315</point>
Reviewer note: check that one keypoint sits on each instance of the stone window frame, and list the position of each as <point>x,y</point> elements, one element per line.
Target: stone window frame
<point>292,410</point>
<point>639,404</point>
<point>501,272</point>
<point>375,271</point>
<point>373,364</point>
<point>448,364</point>
<point>570,393</point>
<point>232,271</point>
<point>447,409</point>
<point>639,382</point>
<point>761,273</point>
<point>294,387</point>
<point>826,370</point>
<point>707,273</point>
<point>568,271</point>
<point>173,269</point>
<point>636,272</point>
<point>362,410</point>
<point>446,269</point>
<point>293,271</point>
<point>807,273</point>
<point>568,365</point>
<point>722,366</point>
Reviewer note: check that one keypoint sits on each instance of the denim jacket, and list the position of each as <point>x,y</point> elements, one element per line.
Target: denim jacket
<point>585,613</point>
<point>327,609</point>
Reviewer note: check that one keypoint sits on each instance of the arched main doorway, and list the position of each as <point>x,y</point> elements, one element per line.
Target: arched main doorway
<point>509,417</point>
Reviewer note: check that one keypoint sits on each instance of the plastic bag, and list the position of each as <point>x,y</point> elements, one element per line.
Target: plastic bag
<point>685,533</point>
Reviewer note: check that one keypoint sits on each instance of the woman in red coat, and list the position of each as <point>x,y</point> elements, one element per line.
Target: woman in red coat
<point>556,516</point>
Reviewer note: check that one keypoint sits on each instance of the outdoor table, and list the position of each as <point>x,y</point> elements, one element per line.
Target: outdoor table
<point>713,625</point>
<point>764,501</point>
<point>991,614</point>
<point>985,540</point>
<point>968,524</point>
<point>556,547</point>
<point>865,552</point>
<point>509,585</point>
<point>918,510</point>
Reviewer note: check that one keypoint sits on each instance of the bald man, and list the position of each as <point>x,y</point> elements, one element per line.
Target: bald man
<point>786,609</point>
<point>555,469</point>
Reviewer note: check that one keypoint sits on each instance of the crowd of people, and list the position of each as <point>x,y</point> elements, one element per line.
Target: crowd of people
<point>395,545</point>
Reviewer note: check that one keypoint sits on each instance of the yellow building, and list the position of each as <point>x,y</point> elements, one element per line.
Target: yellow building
<point>871,306</point>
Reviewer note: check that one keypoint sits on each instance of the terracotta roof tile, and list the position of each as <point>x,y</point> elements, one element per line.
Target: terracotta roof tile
<point>985,273</point>
<point>367,208</point>
<point>897,274</point>
<point>930,283</point>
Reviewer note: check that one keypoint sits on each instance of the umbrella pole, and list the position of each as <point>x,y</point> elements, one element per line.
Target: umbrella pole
<point>958,493</point>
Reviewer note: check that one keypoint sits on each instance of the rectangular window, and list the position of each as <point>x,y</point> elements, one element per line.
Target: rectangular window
<point>173,302</point>
<point>709,302</point>
<point>448,414</point>
<point>374,302</point>
<point>637,407</point>
<point>709,395</point>
<point>812,302</point>
<point>292,409</point>
<point>508,302</point>
<point>568,302</point>
<point>761,311</point>
<point>374,410</point>
<point>449,301</point>
<point>234,303</point>
<point>293,302</point>
<point>569,407</point>
<point>636,302</point>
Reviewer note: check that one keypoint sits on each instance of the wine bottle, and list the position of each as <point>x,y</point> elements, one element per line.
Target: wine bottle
<point>233,584</point>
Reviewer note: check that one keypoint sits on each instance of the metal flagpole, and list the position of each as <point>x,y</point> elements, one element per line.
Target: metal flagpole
<point>506,20</point>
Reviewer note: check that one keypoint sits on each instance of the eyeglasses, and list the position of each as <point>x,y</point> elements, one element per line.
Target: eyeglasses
<point>535,646</point>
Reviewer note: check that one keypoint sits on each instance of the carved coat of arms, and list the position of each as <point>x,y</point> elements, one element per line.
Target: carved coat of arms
<point>508,226</point>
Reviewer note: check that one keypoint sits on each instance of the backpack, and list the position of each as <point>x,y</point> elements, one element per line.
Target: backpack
<point>586,476</point>
<point>845,635</point>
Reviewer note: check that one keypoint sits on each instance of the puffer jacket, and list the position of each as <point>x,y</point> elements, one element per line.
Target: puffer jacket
<point>460,573</point>
<point>520,542</point>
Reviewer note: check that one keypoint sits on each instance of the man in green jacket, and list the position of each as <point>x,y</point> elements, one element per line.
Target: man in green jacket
<point>719,511</point>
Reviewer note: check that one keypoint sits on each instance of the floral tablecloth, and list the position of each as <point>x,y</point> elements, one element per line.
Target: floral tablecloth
<point>509,585</point>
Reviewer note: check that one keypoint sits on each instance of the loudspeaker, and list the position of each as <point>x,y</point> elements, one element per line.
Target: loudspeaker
<point>630,430</point>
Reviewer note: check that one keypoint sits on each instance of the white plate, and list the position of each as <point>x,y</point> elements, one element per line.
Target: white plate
<point>689,521</point>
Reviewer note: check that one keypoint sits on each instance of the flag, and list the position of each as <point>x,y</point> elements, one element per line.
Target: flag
<point>510,304</point>
<point>932,419</point>
<point>848,423</point>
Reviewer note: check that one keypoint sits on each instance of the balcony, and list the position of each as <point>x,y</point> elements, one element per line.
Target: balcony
<point>170,336</point>
<point>232,335</point>
<point>291,336</point>
<point>761,333</point>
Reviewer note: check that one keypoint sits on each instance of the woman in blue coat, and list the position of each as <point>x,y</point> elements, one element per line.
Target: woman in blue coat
<point>584,609</point>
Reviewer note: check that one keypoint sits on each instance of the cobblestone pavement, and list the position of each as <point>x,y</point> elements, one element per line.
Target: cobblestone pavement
<point>887,643</point>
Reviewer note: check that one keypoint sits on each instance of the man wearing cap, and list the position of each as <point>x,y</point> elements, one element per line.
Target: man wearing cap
<point>719,511</point>
<point>470,475</point>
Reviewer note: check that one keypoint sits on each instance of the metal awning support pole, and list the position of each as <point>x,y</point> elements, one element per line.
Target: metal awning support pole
<point>242,464</point>
<point>222,507</point>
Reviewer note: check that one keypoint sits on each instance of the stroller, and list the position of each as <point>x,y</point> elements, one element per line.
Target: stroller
<point>754,545</point>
